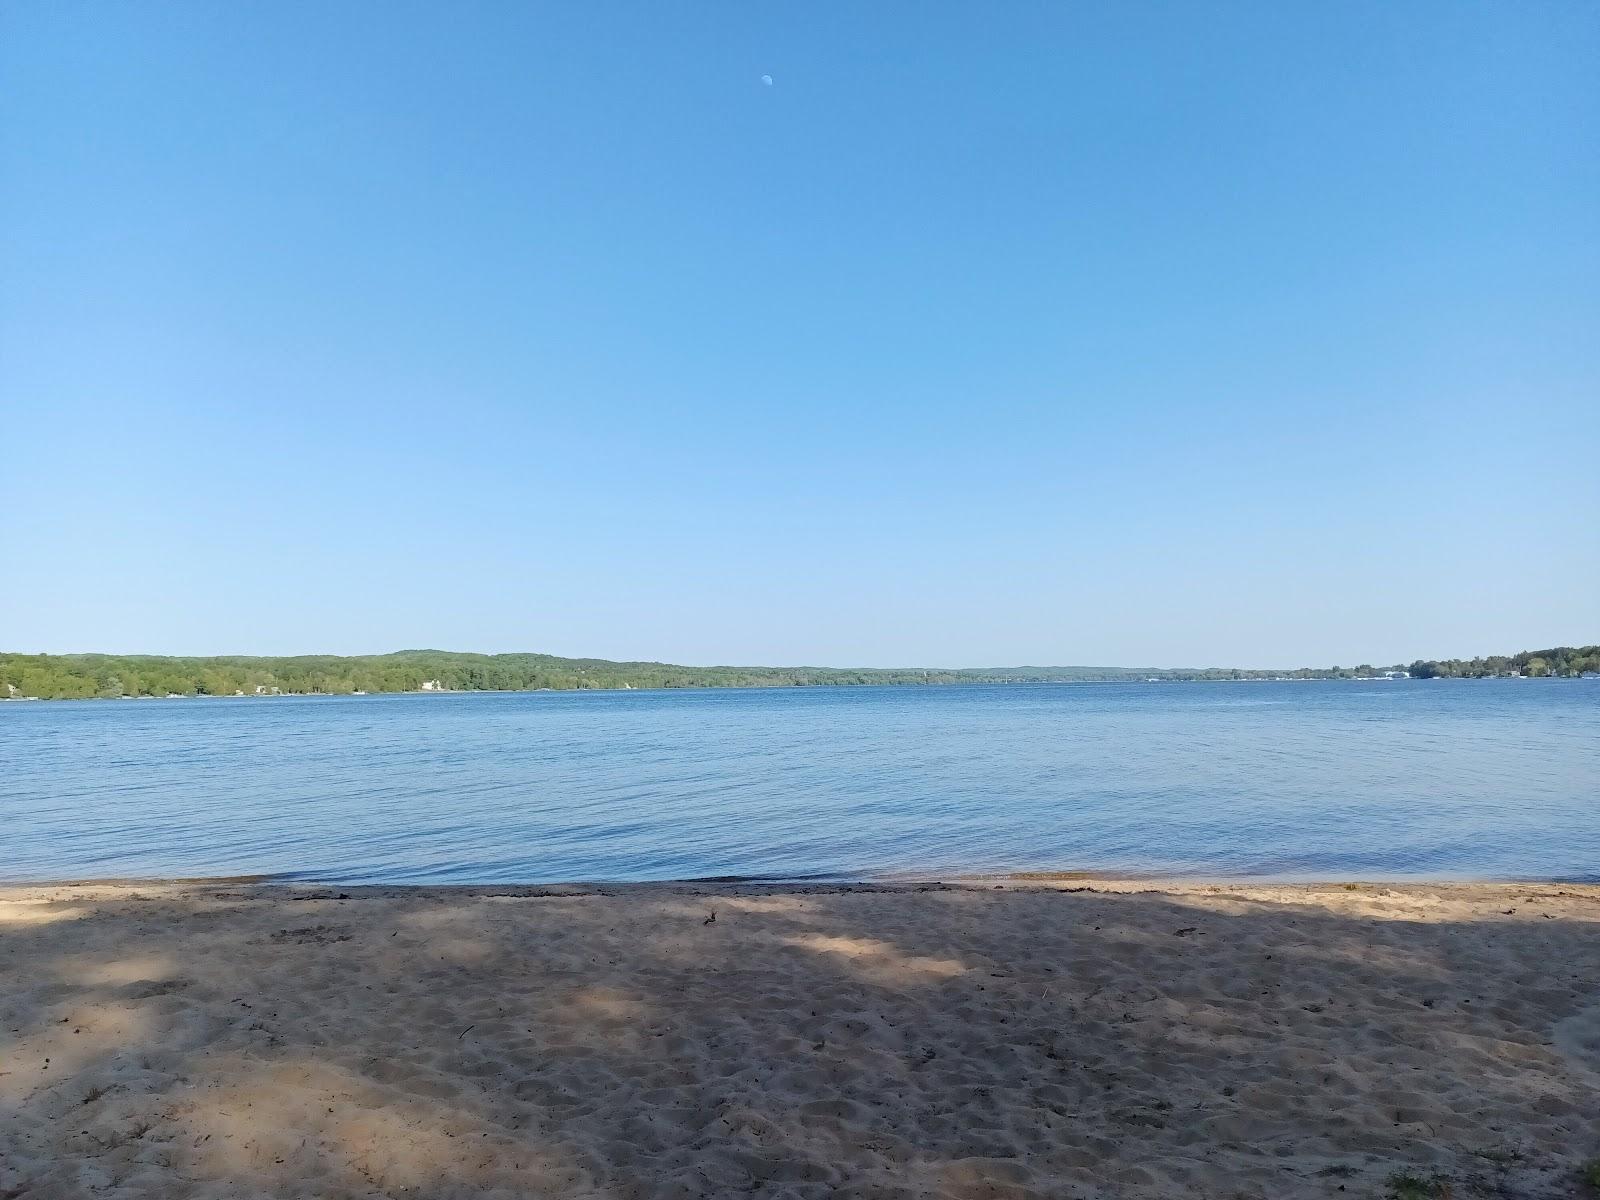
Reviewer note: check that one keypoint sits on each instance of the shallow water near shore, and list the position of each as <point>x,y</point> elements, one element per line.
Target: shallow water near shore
<point>1419,779</point>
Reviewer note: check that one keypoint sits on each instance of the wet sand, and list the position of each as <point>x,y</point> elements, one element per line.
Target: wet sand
<point>1042,1039</point>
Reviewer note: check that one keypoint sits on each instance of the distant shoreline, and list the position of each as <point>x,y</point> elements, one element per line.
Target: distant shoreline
<point>108,676</point>
<point>778,687</point>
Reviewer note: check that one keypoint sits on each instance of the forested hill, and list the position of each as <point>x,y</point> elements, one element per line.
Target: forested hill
<point>85,676</point>
<point>88,675</point>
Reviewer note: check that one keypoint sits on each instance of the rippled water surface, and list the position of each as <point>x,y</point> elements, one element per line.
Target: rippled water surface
<point>1472,778</point>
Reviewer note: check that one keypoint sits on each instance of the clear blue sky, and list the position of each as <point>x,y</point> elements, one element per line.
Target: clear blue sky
<point>1247,333</point>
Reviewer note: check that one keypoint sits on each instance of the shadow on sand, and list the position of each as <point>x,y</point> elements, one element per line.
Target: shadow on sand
<point>813,1041</point>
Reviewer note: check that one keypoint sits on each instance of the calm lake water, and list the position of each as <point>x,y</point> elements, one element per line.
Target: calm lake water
<point>1494,778</point>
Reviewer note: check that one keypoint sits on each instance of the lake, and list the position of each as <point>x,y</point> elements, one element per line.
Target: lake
<point>1334,780</point>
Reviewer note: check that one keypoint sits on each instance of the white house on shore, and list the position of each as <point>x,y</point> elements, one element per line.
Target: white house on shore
<point>432,685</point>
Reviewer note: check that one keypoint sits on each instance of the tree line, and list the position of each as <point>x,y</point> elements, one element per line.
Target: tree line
<point>1558,661</point>
<point>88,676</point>
<point>84,676</point>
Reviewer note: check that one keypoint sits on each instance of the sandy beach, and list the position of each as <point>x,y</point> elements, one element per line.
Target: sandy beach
<point>1049,1039</point>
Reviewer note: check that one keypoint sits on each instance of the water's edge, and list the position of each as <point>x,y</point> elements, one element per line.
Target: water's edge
<point>1045,880</point>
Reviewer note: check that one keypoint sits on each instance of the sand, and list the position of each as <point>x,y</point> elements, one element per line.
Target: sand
<point>194,1040</point>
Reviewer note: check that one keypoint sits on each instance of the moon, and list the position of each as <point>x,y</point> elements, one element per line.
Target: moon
<point>767,79</point>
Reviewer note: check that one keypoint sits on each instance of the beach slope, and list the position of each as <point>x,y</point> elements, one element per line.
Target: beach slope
<point>1034,1040</point>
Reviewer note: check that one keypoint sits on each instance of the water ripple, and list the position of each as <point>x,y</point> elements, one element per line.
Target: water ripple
<point>1490,778</point>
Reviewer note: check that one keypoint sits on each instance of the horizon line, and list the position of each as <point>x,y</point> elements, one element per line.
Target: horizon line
<point>1374,664</point>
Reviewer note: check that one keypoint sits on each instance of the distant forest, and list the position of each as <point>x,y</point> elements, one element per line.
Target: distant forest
<point>86,676</point>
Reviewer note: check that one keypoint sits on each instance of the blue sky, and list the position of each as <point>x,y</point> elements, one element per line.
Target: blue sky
<point>1249,333</point>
